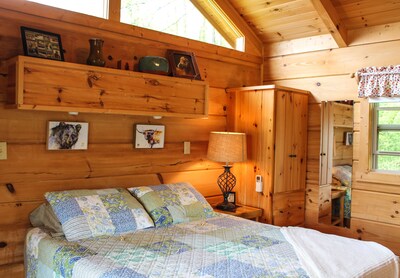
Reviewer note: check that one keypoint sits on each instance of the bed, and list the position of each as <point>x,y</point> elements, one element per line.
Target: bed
<point>342,177</point>
<point>194,242</point>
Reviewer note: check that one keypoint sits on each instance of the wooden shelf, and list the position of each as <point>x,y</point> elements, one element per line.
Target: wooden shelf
<point>40,84</point>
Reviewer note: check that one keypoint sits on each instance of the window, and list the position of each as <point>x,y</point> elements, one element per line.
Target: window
<point>194,19</point>
<point>386,136</point>
<point>98,8</point>
<point>182,18</point>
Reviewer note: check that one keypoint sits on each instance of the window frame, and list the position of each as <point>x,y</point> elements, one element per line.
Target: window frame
<point>364,176</point>
<point>376,128</point>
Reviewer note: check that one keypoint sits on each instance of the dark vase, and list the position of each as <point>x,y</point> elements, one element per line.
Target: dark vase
<point>96,53</point>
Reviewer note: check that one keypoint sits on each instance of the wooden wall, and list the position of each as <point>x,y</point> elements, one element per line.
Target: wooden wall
<point>329,75</point>
<point>111,159</point>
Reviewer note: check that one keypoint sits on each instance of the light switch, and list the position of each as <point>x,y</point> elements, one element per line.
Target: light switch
<point>3,150</point>
<point>186,147</point>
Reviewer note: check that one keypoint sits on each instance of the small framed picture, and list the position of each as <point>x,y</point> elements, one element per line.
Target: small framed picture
<point>149,136</point>
<point>232,197</point>
<point>348,138</point>
<point>183,64</point>
<point>67,136</point>
<point>41,44</point>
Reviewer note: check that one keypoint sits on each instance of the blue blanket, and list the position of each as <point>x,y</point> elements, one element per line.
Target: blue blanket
<point>222,246</point>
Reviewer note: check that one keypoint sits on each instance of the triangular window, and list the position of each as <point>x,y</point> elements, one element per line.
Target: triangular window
<point>189,19</point>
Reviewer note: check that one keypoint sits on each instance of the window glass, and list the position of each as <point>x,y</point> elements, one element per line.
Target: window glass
<point>177,17</point>
<point>98,8</point>
<point>389,141</point>
<point>388,163</point>
<point>386,143</point>
<point>389,117</point>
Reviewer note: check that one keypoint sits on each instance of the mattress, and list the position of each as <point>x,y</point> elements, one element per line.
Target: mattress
<point>222,246</point>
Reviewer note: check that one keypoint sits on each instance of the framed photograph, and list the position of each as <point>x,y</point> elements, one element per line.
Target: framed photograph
<point>232,197</point>
<point>183,64</point>
<point>41,44</point>
<point>149,136</point>
<point>348,138</point>
<point>67,136</point>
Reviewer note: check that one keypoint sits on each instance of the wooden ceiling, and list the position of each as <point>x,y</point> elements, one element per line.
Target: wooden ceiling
<point>281,20</point>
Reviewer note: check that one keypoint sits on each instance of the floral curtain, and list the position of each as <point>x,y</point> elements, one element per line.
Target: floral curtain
<point>379,82</point>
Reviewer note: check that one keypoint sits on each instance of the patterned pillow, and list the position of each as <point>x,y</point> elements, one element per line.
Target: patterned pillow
<point>169,204</point>
<point>90,213</point>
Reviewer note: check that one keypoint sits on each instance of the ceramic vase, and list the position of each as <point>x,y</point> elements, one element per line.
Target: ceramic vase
<point>96,53</point>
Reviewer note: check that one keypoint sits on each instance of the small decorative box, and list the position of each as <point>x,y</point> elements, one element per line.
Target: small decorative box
<point>154,64</point>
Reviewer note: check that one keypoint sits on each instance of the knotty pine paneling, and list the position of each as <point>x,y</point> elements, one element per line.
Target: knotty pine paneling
<point>324,88</point>
<point>12,270</point>
<point>385,234</point>
<point>236,72</point>
<point>376,206</point>
<point>331,62</point>
<point>14,236</point>
<point>327,74</point>
<point>111,159</point>
<point>103,129</point>
<point>27,190</point>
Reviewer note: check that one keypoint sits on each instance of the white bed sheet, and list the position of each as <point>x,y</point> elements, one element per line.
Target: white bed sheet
<point>347,257</point>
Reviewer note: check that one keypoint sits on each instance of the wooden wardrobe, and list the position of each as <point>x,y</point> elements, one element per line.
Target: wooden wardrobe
<point>275,121</point>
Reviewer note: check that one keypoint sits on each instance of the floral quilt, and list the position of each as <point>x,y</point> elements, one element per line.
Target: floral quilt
<point>221,246</point>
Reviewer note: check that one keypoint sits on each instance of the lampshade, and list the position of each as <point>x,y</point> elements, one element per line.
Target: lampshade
<point>227,147</point>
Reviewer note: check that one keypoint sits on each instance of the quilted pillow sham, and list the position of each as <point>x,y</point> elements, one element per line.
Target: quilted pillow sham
<point>91,213</point>
<point>175,203</point>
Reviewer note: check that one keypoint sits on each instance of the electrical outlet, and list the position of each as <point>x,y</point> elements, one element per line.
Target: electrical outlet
<point>3,150</point>
<point>186,147</point>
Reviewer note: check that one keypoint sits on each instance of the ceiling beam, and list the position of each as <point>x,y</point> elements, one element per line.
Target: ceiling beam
<point>332,21</point>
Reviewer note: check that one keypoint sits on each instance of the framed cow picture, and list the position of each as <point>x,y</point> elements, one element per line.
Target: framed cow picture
<point>149,136</point>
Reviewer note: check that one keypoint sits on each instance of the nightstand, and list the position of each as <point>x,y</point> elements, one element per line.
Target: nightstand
<point>247,212</point>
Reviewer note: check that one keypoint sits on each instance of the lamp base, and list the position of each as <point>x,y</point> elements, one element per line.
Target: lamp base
<point>226,206</point>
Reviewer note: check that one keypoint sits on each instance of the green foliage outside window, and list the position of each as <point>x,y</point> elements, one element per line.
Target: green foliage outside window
<point>388,137</point>
<point>177,17</point>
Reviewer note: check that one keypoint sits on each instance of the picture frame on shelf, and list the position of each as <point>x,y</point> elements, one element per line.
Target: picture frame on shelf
<point>348,138</point>
<point>183,64</point>
<point>41,44</point>
<point>232,197</point>
<point>67,135</point>
<point>149,136</point>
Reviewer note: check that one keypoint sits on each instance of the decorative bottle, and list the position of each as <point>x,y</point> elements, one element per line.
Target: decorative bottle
<point>96,53</point>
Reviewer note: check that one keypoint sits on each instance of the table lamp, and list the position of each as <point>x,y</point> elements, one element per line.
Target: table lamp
<point>227,147</point>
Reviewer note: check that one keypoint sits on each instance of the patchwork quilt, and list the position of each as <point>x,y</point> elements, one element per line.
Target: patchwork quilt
<point>221,246</point>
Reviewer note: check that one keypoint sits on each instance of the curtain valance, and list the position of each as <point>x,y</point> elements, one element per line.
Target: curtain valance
<point>379,82</point>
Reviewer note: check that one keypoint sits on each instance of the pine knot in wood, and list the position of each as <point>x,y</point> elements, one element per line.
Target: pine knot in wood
<point>91,78</point>
<point>153,82</point>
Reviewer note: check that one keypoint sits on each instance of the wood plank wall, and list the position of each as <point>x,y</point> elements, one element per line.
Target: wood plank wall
<point>111,159</point>
<point>328,75</point>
